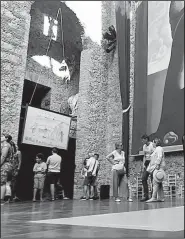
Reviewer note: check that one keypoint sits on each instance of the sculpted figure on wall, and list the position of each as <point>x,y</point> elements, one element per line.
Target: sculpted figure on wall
<point>73,104</point>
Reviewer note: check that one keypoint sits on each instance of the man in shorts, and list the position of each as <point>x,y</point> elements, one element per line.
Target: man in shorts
<point>54,167</point>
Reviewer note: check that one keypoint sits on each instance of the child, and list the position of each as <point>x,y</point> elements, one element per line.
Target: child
<point>39,177</point>
<point>83,173</point>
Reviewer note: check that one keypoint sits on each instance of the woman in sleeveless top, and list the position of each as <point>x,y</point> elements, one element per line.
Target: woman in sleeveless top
<point>117,159</point>
<point>16,164</point>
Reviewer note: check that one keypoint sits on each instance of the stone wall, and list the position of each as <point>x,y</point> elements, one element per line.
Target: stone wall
<point>15,25</point>
<point>132,66</point>
<point>92,115</point>
<point>16,66</point>
<point>60,91</point>
<point>99,112</point>
<point>114,106</point>
<point>38,45</point>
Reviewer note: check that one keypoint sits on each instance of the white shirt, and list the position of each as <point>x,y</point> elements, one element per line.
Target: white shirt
<point>157,158</point>
<point>117,158</point>
<point>92,164</point>
<point>54,163</point>
<point>148,150</point>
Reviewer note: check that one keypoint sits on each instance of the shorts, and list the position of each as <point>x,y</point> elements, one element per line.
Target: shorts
<point>39,182</point>
<point>6,172</point>
<point>53,177</point>
<point>90,181</point>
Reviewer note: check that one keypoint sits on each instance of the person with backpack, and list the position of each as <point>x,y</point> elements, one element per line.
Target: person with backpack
<point>90,177</point>
<point>92,166</point>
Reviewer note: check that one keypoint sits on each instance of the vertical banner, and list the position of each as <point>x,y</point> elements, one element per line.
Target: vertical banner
<point>159,73</point>
<point>123,41</point>
<point>165,108</point>
<point>140,81</point>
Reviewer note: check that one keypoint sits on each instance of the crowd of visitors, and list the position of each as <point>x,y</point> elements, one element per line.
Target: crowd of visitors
<point>153,167</point>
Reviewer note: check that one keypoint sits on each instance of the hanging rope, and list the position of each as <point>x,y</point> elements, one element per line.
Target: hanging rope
<point>62,33</point>
<point>51,35</point>
<point>63,53</point>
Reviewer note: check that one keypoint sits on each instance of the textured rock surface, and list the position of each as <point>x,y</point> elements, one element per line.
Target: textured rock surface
<point>91,123</point>
<point>99,112</point>
<point>60,91</point>
<point>132,57</point>
<point>16,66</point>
<point>15,24</point>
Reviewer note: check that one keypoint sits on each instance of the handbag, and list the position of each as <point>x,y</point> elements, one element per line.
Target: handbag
<point>119,166</point>
<point>8,191</point>
<point>89,174</point>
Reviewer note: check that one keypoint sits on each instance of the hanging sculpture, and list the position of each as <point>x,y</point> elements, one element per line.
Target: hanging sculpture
<point>110,36</point>
<point>65,71</point>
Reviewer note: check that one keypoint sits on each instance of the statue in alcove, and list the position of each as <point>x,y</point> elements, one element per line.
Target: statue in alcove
<point>73,105</point>
<point>52,23</point>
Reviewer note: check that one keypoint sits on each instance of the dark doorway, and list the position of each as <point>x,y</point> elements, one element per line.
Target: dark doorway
<point>68,168</point>
<point>25,178</point>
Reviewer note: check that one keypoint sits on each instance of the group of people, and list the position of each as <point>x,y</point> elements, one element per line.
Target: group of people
<point>153,166</point>
<point>10,167</point>
<point>51,169</point>
<point>11,159</point>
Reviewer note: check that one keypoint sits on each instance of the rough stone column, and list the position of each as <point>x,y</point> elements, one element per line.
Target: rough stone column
<point>15,24</point>
<point>92,111</point>
<point>132,58</point>
<point>114,107</point>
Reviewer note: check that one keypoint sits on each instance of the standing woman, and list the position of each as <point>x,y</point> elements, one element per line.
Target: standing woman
<point>6,165</point>
<point>117,159</point>
<point>16,165</point>
<point>157,167</point>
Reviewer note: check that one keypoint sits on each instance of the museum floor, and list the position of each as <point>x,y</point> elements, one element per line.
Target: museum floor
<point>93,219</point>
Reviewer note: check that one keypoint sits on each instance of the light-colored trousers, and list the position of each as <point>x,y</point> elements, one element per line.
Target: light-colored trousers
<point>120,185</point>
<point>157,190</point>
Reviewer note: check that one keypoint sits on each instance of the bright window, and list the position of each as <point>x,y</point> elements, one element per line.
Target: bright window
<point>50,27</point>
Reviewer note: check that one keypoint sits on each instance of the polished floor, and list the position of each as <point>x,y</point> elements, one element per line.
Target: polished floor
<point>93,219</point>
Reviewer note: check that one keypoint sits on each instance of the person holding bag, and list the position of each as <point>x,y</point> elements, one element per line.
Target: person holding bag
<point>117,159</point>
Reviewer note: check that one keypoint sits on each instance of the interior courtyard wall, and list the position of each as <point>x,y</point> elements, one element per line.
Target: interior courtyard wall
<point>99,124</point>
<point>15,25</point>
<point>92,111</point>
<point>38,45</point>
